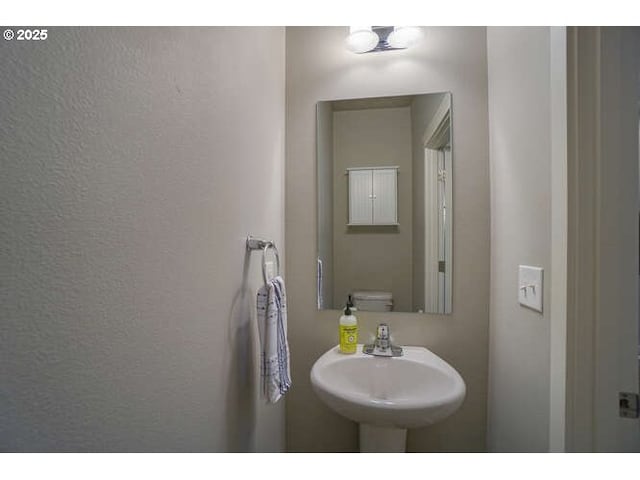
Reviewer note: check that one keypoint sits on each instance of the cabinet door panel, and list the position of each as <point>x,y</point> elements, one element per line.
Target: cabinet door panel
<point>385,187</point>
<point>360,197</point>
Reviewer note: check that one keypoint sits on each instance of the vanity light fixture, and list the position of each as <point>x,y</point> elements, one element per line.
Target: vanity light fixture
<point>379,39</point>
<point>362,39</point>
<point>403,37</point>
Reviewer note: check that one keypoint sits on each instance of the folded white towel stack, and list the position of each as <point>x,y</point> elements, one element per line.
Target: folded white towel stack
<point>272,323</point>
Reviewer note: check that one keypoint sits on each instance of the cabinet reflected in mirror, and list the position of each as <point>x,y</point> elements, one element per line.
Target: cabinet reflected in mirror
<point>384,203</point>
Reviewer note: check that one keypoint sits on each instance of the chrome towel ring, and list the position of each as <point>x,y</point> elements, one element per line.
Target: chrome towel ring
<point>264,245</point>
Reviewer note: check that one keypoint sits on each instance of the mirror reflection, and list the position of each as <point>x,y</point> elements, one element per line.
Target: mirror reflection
<point>384,203</point>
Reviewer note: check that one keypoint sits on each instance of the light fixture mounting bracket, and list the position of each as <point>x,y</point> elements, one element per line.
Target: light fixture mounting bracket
<point>383,33</point>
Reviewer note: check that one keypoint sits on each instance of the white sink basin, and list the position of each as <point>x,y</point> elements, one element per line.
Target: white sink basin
<point>414,390</point>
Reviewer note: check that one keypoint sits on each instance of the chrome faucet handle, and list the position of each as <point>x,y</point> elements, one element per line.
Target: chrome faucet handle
<point>382,336</point>
<point>382,346</point>
<point>383,331</point>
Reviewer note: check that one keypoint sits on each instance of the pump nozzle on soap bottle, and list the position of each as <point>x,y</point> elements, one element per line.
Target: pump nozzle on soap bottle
<point>350,305</point>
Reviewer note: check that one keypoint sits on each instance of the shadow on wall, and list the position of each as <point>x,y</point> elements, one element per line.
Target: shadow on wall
<point>241,389</point>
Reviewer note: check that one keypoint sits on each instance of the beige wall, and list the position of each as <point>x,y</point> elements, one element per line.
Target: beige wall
<point>320,68</point>
<point>372,258</point>
<point>520,119</point>
<point>134,163</point>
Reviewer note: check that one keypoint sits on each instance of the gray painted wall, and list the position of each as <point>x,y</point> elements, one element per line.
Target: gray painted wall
<point>320,68</point>
<point>134,163</point>
<point>372,258</point>
<point>520,137</point>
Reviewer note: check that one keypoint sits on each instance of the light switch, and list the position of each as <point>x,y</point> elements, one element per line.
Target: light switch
<point>530,287</point>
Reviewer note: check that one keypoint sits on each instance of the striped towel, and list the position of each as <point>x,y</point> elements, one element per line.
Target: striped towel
<point>272,322</point>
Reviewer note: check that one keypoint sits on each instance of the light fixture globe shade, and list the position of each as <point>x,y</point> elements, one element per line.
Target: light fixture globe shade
<point>403,37</point>
<point>362,39</point>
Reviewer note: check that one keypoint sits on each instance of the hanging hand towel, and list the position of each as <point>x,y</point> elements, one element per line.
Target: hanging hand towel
<point>272,321</point>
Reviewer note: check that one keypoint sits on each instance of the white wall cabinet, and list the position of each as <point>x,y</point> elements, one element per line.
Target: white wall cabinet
<point>373,196</point>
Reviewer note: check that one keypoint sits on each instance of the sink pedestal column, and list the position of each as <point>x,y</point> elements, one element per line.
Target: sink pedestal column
<point>374,439</point>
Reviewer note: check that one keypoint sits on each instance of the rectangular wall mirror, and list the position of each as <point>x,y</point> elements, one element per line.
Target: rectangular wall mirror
<point>384,203</point>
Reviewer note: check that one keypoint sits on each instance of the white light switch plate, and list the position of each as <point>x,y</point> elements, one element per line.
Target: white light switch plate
<point>530,287</point>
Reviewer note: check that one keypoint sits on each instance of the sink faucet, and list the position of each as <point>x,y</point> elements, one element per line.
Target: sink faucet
<point>382,346</point>
<point>382,337</point>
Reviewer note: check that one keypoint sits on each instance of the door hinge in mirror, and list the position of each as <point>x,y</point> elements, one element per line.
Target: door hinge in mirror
<point>629,405</point>
<point>441,267</point>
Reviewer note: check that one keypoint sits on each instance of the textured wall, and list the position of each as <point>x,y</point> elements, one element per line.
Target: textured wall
<point>320,68</point>
<point>520,118</point>
<point>134,163</point>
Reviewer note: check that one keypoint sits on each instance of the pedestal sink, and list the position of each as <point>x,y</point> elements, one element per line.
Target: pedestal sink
<point>388,395</point>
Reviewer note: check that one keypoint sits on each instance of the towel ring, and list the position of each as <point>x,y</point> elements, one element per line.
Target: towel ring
<point>264,245</point>
<point>264,260</point>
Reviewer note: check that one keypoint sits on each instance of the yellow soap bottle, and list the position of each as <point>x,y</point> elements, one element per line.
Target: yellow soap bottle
<point>348,331</point>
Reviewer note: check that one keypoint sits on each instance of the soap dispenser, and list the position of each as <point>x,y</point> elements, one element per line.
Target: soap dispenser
<point>348,331</point>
